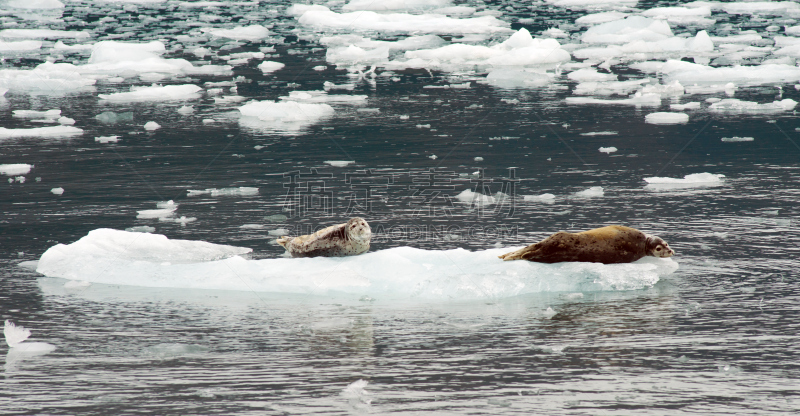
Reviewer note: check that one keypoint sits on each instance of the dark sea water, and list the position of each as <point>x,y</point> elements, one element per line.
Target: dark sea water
<point>719,336</point>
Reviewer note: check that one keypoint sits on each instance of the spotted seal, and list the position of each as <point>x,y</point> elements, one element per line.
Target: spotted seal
<point>347,239</point>
<point>611,244</point>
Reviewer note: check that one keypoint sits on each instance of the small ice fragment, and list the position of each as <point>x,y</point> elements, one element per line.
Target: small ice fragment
<point>666,118</point>
<point>57,191</point>
<point>600,133</point>
<point>166,204</point>
<point>151,126</point>
<point>267,67</point>
<point>549,198</point>
<point>107,139</point>
<point>252,226</point>
<point>15,169</point>
<point>52,131</point>
<point>186,110</point>
<point>278,232</point>
<point>66,121</point>
<point>737,139</point>
<point>549,313</point>
<point>406,117</point>
<point>593,192</point>
<point>339,163</point>
<point>156,213</point>
<point>320,68</point>
<point>433,157</point>
<point>695,178</point>
<point>608,149</point>
<point>478,159</point>
<point>688,106</point>
<point>15,334</point>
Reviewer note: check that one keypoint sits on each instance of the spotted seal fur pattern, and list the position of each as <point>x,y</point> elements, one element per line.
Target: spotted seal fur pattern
<point>347,239</point>
<point>611,244</point>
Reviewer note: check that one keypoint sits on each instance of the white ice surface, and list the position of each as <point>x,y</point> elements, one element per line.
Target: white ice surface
<point>155,93</point>
<point>400,22</point>
<point>732,105</point>
<point>51,131</point>
<point>666,118</point>
<point>695,178</point>
<point>737,139</point>
<point>267,67</point>
<point>139,259</point>
<point>14,169</point>
<point>386,5</point>
<point>592,192</point>
<point>214,192</point>
<point>15,334</point>
<point>251,33</point>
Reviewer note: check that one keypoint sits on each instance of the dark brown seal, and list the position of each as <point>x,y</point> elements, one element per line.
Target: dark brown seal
<point>347,239</point>
<point>611,244</point>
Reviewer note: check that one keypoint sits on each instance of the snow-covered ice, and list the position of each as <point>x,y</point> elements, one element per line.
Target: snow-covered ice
<point>14,169</point>
<point>139,259</point>
<point>666,118</point>
<point>51,131</point>
<point>155,93</point>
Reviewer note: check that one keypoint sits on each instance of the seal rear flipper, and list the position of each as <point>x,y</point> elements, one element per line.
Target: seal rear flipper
<point>283,241</point>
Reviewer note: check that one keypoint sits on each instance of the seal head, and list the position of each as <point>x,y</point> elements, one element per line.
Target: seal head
<point>657,247</point>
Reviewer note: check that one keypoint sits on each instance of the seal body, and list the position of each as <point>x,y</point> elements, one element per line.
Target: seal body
<point>347,239</point>
<point>611,244</point>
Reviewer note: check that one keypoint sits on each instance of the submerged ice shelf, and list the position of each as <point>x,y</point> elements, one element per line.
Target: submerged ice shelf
<point>140,259</point>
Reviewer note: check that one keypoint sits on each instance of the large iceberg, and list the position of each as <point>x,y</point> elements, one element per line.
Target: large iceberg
<point>140,259</point>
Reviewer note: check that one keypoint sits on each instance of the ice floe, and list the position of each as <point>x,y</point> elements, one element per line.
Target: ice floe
<point>14,169</point>
<point>592,192</point>
<point>324,18</point>
<point>693,180</point>
<point>732,105</point>
<point>666,118</point>
<point>139,259</point>
<point>16,337</point>
<point>51,131</point>
<point>251,33</point>
<point>283,116</point>
<point>214,192</point>
<point>155,93</point>
<point>737,139</point>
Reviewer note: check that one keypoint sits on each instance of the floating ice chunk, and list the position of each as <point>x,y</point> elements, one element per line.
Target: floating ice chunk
<point>609,87</point>
<point>682,15</point>
<point>48,114</point>
<point>637,99</point>
<point>632,28</point>
<point>183,220</point>
<point>166,204</point>
<point>732,105</point>
<point>687,106</point>
<point>339,163</point>
<point>729,89</point>
<point>47,78</point>
<point>694,180</point>
<point>252,227</point>
<point>284,116</point>
<point>512,78</point>
<point>52,131</point>
<point>690,73</point>
<point>385,5</point>
<point>546,198</point>
<point>15,334</point>
<point>673,88</point>
<point>400,22</point>
<point>756,7</point>
<point>155,93</point>
<point>156,213</point>
<point>151,126</point>
<point>597,18</point>
<point>352,55</point>
<point>590,74</point>
<point>152,260</point>
<point>57,191</point>
<point>357,396</point>
<point>278,232</point>
<point>737,139</point>
<point>240,191</point>
<point>20,46</point>
<point>15,169</point>
<point>113,51</point>
<point>42,34</point>
<point>608,149</point>
<point>600,133</point>
<point>593,4</point>
<point>475,198</point>
<point>251,33</point>
<point>267,67</point>
<point>66,121</point>
<point>186,110</point>
<point>666,118</point>
<point>592,192</point>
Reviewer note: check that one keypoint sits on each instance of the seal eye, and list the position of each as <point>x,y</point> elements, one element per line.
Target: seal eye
<point>658,248</point>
